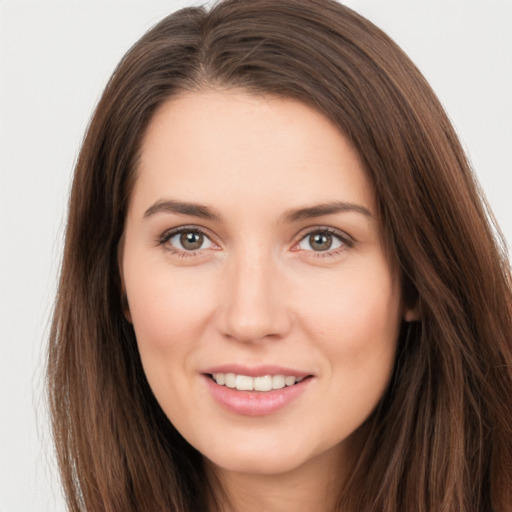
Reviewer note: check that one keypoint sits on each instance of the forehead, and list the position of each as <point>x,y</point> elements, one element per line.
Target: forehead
<point>239,148</point>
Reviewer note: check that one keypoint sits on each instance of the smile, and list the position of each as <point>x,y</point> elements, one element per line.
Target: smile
<point>247,400</point>
<point>262,383</point>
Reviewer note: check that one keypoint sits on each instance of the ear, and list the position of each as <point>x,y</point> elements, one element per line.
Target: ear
<point>126,307</point>
<point>412,314</point>
<point>124,296</point>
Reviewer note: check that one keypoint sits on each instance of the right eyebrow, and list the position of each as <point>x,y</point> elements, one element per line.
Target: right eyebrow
<point>329,208</point>
<point>183,208</point>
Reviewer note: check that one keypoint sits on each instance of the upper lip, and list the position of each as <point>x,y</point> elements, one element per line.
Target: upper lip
<point>255,371</point>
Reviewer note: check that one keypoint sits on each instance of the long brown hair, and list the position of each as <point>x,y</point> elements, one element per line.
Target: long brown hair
<point>441,437</point>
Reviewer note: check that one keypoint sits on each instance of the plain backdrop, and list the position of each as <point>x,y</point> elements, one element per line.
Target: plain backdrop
<point>55,58</point>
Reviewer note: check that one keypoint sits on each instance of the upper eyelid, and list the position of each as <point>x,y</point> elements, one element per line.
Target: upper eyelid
<point>343,235</point>
<point>169,233</point>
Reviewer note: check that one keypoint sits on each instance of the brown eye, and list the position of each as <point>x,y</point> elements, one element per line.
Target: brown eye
<point>323,241</point>
<point>191,240</point>
<point>320,241</point>
<point>187,240</point>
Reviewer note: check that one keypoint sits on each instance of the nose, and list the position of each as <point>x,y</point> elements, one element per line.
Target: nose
<point>254,304</point>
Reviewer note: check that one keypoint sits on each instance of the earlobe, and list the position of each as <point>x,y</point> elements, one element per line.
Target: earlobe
<point>124,297</point>
<point>412,314</point>
<point>126,307</point>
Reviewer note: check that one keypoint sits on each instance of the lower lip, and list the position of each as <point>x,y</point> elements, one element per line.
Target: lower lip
<point>255,403</point>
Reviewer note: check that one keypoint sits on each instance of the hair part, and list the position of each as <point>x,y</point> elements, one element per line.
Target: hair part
<point>440,439</point>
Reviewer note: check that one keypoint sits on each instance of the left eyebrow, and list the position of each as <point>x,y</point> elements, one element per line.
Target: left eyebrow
<point>182,208</point>
<point>321,209</point>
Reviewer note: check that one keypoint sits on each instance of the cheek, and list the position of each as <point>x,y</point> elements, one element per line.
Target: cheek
<point>355,322</point>
<point>169,313</point>
<point>356,327</point>
<point>167,309</point>
<point>353,303</point>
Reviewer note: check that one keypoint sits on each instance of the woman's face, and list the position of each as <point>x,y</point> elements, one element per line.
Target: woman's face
<point>253,259</point>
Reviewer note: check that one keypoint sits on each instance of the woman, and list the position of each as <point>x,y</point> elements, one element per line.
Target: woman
<point>280,287</point>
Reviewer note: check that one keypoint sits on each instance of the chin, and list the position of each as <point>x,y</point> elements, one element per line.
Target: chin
<point>258,463</point>
<point>277,456</point>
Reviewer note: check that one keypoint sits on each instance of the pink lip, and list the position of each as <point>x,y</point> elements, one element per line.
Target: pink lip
<point>255,403</point>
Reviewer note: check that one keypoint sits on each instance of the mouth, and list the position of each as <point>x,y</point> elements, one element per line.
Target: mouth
<point>263,383</point>
<point>263,393</point>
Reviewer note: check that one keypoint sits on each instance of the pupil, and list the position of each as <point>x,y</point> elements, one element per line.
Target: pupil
<point>191,241</point>
<point>320,241</point>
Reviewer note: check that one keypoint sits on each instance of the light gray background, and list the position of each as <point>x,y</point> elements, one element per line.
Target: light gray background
<point>55,57</point>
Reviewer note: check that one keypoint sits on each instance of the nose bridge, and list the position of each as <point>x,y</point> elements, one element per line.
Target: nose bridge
<point>253,306</point>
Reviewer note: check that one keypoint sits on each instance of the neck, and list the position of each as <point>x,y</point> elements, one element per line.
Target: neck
<point>315,485</point>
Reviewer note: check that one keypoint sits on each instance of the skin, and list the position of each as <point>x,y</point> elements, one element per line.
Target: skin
<point>259,291</point>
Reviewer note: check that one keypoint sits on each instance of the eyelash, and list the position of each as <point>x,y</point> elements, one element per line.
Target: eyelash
<point>178,231</point>
<point>345,240</point>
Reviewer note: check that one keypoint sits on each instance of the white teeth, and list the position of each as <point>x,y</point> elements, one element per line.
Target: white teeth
<point>230,380</point>
<point>278,382</point>
<point>220,378</point>
<point>263,383</point>
<point>244,383</point>
<point>289,381</point>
